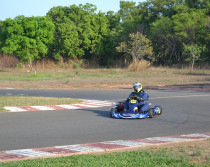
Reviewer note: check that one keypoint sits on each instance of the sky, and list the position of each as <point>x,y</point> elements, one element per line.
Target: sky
<point>28,8</point>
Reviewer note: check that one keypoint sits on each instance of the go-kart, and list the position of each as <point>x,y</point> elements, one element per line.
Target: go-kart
<point>133,111</point>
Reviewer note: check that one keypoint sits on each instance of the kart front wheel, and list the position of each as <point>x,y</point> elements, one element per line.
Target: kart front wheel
<point>151,113</point>
<point>158,110</point>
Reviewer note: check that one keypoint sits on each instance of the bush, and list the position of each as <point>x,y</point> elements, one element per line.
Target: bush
<point>8,61</point>
<point>138,65</point>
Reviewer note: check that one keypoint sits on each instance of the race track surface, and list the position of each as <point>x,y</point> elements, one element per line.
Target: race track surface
<point>183,113</point>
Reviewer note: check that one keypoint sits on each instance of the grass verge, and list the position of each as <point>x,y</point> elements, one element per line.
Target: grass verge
<point>8,101</point>
<point>190,154</point>
<point>101,78</point>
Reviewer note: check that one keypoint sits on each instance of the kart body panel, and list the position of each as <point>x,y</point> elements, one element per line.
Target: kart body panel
<point>133,113</point>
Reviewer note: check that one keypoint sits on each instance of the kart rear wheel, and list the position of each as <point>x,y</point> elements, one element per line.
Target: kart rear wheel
<point>158,110</point>
<point>151,113</point>
<point>111,112</point>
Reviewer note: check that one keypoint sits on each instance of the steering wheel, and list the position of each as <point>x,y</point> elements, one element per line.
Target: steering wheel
<point>135,97</point>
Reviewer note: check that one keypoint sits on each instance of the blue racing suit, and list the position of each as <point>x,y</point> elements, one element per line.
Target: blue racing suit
<point>143,106</point>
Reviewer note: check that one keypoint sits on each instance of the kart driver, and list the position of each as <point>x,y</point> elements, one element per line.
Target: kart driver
<point>142,97</point>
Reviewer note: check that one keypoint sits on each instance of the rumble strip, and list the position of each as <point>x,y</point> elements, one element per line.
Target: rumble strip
<point>85,104</point>
<point>95,147</point>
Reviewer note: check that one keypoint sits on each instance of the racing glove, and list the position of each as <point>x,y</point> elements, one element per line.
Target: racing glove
<point>139,99</point>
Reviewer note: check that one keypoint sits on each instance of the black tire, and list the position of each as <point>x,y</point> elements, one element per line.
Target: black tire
<point>111,112</point>
<point>151,113</point>
<point>160,110</point>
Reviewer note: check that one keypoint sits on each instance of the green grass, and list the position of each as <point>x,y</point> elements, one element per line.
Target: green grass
<point>53,75</point>
<point>8,101</point>
<point>27,77</point>
<point>143,158</point>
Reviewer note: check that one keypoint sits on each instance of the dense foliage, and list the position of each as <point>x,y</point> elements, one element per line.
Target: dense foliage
<point>26,37</point>
<point>175,32</point>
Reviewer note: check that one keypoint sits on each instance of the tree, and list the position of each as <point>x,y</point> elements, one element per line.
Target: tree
<point>27,37</point>
<point>127,10</point>
<point>193,53</point>
<point>1,34</point>
<point>159,8</point>
<point>190,25</point>
<point>197,4</point>
<point>106,50</point>
<point>79,30</point>
<point>191,28</point>
<point>139,47</point>
<point>166,43</point>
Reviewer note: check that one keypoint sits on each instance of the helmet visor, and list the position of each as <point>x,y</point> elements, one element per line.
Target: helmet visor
<point>137,88</point>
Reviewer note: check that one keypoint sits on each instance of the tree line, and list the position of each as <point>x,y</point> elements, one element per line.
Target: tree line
<point>162,32</point>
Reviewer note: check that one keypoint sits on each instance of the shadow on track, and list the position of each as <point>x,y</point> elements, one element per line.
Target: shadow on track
<point>101,113</point>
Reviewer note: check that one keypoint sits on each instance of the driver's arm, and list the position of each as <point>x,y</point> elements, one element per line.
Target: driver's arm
<point>145,96</point>
<point>129,97</point>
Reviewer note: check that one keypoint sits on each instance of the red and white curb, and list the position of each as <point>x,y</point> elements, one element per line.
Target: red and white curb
<point>95,147</point>
<point>85,104</point>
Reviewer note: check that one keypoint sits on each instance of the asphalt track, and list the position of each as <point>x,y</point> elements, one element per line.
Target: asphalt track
<point>183,113</point>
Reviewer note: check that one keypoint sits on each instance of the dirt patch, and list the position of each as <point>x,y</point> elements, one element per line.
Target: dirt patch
<point>51,85</point>
<point>152,78</point>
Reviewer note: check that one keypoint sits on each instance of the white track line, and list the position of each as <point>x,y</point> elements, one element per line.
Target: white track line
<point>166,97</point>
